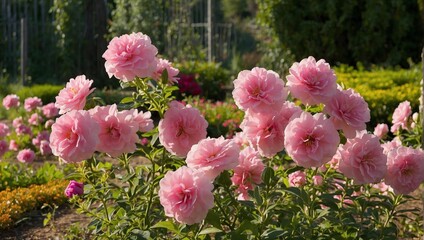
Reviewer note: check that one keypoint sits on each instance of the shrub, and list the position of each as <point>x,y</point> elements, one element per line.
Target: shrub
<point>224,118</point>
<point>383,89</point>
<point>380,32</point>
<point>14,203</point>
<point>46,92</point>
<point>213,79</point>
<point>20,175</point>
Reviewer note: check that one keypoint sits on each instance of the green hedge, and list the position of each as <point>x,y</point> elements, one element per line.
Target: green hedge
<point>211,76</point>
<point>46,92</point>
<point>383,89</point>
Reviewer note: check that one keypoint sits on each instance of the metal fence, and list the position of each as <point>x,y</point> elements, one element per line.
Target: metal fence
<point>37,28</point>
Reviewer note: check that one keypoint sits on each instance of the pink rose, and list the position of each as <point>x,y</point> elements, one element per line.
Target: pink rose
<point>4,147</point>
<point>312,82</point>
<point>74,136</point>
<point>265,132</point>
<point>259,90</point>
<point>13,145</point>
<point>11,101</point>
<point>74,95</point>
<point>389,146</point>
<point>181,128</point>
<point>401,116</point>
<point>297,179</point>
<point>4,130</point>
<point>50,110</point>
<point>17,121</point>
<point>348,111</point>
<point>186,195</point>
<point>130,56</point>
<point>317,180</point>
<point>248,172</point>
<point>26,156</point>
<point>118,131</point>
<point>383,188</point>
<point>311,141</point>
<point>163,64</point>
<point>45,148</point>
<point>74,188</point>
<point>211,156</point>
<point>142,120</point>
<point>48,123</point>
<point>23,130</point>
<point>44,135</point>
<point>32,103</point>
<point>241,140</point>
<point>35,119</point>
<point>362,159</point>
<point>381,130</point>
<point>405,169</point>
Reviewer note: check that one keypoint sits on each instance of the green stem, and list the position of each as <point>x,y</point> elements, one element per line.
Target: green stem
<point>151,192</point>
<point>226,218</point>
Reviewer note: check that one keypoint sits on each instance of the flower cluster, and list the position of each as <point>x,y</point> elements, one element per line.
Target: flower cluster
<point>306,119</point>
<point>27,134</point>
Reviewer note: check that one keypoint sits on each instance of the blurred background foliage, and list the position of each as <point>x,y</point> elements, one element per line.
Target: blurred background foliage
<point>364,35</point>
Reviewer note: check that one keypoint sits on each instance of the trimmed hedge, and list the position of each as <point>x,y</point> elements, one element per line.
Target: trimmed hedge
<point>46,92</point>
<point>383,89</point>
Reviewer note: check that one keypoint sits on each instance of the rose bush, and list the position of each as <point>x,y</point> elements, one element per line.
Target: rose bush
<point>301,167</point>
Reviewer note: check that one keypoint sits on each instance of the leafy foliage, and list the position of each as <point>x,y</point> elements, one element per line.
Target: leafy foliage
<point>383,89</point>
<point>380,32</point>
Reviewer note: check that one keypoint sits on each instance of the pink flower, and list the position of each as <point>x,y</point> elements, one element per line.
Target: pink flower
<point>26,156</point>
<point>163,64</point>
<point>4,130</point>
<point>211,156</point>
<point>241,140</point>
<point>35,119</point>
<point>130,56</point>
<point>186,195</point>
<point>181,128</point>
<point>310,140</point>
<point>50,110</point>
<point>45,148</point>
<point>23,130</point>
<point>142,120</point>
<point>389,146</point>
<point>381,130</point>
<point>11,101</point>
<point>259,90</point>
<point>265,132</point>
<point>74,188</point>
<point>32,103</point>
<point>348,111</point>
<point>118,131</point>
<point>400,116</point>
<point>383,187</point>
<point>13,145</point>
<point>297,179</point>
<point>362,159</point>
<point>248,172</point>
<point>405,169</point>
<point>48,123</point>
<point>74,136</point>
<point>44,135</point>
<point>17,121</point>
<point>312,82</point>
<point>4,147</point>
<point>317,180</point>
<point>74,95</point>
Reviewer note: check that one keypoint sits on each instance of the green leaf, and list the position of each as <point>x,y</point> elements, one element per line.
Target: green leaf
<point>168,225</point>
<point>210,230</point>
<point>213,219</point>
<point>127,100</point>
<point>268,175</point>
